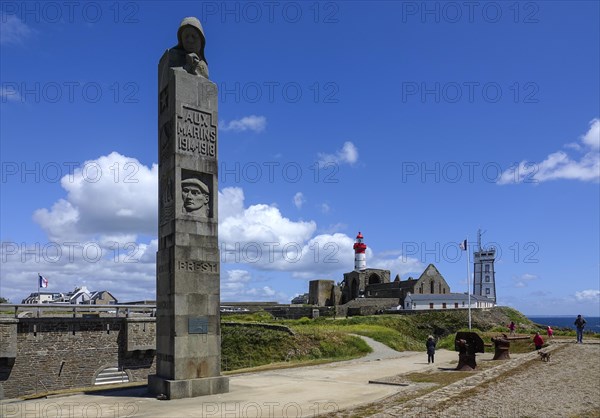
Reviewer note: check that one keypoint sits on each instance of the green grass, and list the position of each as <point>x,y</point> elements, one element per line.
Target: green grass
<point>259,316</point>
<point>247,347</point>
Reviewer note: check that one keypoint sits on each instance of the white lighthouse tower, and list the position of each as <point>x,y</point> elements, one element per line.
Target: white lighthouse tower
<point>360,258</point>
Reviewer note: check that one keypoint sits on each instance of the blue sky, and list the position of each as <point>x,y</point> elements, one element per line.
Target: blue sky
<point>414,123</point>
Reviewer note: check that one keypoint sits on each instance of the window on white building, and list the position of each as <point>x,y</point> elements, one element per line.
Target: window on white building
<point>487,278</point>
<point>487,291</point>
<point>487,268</point>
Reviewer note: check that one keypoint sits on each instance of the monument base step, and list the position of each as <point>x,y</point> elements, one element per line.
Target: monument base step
<point>188,388</point>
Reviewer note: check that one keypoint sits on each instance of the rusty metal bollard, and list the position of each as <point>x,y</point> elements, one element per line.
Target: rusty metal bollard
<point>467,344</point>
<point>501,348</point>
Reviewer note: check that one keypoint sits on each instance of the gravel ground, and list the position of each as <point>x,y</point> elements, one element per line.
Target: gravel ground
<point>567,386</point>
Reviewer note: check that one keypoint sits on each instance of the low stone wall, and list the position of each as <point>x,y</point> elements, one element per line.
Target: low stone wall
<point>366,306</point>
<point>47,354</point>
<point>297,312</point>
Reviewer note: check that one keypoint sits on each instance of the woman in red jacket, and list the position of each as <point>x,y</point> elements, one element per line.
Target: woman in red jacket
<point>538,341</point>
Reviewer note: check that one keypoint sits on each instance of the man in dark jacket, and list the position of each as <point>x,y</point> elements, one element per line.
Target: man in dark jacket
<point>580,324</point>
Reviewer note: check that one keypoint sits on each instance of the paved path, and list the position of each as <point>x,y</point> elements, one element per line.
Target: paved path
<point>381,351</point>
<point>295,392</point>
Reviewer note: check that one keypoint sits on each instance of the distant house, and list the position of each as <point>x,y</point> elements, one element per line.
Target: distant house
<point>102,297</point>
<point>78,296</point>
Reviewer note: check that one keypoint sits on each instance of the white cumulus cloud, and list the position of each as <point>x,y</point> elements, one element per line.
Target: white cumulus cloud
<point>257,223</point>
<point>522,280</point>
<point>592,137</point>
<point>299,200</point>
<point>589,295</point>
<point>248,123</point>
<point>12,30</point>
<point>111,195</point>
<point>238,276</point>
<point>237,285</point>
<point>559,165</point>
<point>347,155</point>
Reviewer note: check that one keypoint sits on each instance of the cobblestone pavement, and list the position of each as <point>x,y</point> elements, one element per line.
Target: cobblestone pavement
<point>567,386</point>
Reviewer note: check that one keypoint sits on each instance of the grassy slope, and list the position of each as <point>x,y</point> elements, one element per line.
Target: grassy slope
<point>409,332</point>
<point>325,338</point>
<point>245,347</point>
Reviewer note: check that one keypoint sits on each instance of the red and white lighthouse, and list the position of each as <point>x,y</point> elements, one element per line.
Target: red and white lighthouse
<point>360,258</point>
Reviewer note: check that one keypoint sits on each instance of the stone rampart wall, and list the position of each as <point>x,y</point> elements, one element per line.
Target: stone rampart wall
<point>61,353</point>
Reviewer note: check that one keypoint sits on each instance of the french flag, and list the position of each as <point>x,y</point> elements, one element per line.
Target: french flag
<point>43,281</point>
<point>463,245</point>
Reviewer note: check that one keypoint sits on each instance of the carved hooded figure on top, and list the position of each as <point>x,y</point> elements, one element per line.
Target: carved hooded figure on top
<point>189,52</point>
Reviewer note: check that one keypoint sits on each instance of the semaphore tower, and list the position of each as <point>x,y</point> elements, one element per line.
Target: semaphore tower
<point>484,276</point>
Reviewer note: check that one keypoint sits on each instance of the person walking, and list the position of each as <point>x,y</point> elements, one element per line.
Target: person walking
<point>512,327</point>
<point>550,332</point>
<point>580,324</point>
<point>538,341</point>
<point>430,344</point>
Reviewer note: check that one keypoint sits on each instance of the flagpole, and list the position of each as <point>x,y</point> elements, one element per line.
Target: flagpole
<point>39,294</point>
<point>468,281</point>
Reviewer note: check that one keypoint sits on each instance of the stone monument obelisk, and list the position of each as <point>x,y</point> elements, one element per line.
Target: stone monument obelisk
<point>188,332</point>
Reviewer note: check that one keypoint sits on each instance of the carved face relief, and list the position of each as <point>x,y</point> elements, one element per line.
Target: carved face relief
<point>195,195</point>
<point>191,39</point>
<point>194,199</point>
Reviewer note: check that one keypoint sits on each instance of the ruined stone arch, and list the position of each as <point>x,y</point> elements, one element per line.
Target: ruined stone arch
<point>374,278</point>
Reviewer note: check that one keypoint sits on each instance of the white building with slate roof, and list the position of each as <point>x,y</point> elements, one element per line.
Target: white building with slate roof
<point>417,302</point>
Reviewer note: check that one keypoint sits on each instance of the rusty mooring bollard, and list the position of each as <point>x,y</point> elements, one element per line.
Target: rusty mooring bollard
<point>502,346</point>
<point>467,344</point>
